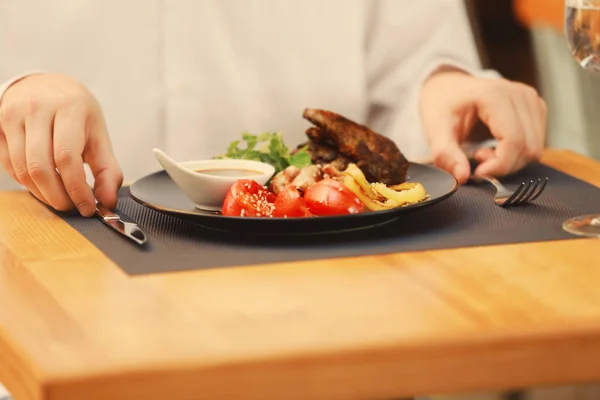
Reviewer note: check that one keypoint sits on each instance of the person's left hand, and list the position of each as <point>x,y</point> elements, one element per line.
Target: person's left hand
<point>451,103</point>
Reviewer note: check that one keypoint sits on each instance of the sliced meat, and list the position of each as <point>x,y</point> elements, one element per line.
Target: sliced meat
<point>330,171</point>
<point>283,178</point>
<point>308,176</point>
<point>301,178</point>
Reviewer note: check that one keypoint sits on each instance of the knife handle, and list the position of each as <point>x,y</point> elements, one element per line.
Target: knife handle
<point>106,214</point>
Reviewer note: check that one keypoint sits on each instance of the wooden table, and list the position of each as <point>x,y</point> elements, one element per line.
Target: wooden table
<point>74,326</point>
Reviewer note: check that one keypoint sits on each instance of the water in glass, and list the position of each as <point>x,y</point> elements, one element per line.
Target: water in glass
<point>582,29</point>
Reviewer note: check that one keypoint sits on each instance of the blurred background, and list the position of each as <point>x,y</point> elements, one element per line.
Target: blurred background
<point>524,41</point>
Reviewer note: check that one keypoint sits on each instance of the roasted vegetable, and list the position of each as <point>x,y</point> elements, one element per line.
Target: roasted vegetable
<point>377,196</point>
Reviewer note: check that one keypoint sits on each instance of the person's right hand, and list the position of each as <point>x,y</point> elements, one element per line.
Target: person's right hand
<point>50,125</point>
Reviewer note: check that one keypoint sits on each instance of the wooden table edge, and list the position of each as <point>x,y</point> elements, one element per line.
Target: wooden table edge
<point>24,371</point>
<point>486,353</point>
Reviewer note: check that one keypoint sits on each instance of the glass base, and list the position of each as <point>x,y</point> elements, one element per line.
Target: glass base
<point>585,225</point>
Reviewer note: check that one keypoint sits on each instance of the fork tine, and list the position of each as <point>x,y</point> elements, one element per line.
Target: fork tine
<point>510,200</point>
<point>532,188</point>
<point>524,192</point>
<point>540,189</point>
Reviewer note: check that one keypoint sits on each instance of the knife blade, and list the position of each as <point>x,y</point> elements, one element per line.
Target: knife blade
<point>128,229</point>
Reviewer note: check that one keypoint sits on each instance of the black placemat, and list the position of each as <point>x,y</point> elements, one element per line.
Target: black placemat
<point>468,218</point>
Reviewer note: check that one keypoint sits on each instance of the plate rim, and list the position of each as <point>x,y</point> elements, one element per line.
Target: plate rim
<point>209,214</point>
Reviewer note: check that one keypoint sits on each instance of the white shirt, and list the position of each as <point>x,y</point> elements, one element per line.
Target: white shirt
<point>188,76</point>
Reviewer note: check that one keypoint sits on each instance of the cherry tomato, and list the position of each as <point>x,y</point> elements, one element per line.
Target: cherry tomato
<point>247,198</point>
<point>330,197</point>
<point>289,203</point>
<point>335,183</point>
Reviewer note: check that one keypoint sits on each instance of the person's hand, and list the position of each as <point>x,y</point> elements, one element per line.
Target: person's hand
<point>452,102</point>
<point>50,125</point>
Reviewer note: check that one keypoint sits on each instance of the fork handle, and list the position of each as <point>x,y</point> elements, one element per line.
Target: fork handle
<point>485,178</point>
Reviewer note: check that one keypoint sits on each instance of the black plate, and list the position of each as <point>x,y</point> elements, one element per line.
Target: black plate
<point>157,191</point>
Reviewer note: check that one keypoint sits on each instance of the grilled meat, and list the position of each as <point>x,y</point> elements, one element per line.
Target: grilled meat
<point>308,176</point>
<point>283,178</point>
<point>330,171</point>
<point>339,141</point>
<point>322,153</point>
<point>303,178</point>
<point>300,178</point>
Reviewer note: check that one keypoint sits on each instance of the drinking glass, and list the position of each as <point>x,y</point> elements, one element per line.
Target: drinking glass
<point>582,30</point>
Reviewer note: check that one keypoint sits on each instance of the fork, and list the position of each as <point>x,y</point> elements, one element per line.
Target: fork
<point>525,193</point>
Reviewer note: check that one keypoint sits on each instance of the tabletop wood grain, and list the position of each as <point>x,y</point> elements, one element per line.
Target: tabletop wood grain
<point>74,326</point>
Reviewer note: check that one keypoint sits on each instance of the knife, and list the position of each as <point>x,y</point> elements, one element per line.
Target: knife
<point>128,229</point>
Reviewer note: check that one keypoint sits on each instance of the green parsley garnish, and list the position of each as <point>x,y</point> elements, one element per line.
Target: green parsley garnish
<point>269,148</point>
